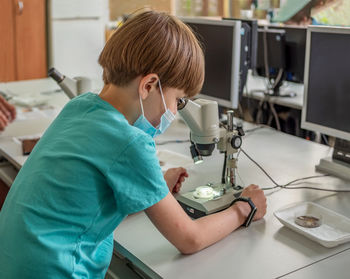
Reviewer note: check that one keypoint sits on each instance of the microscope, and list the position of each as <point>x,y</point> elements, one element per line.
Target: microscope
<point>206,132</point>
<point>71,86</point>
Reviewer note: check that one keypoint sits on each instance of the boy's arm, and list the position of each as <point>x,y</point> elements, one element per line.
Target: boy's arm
<point>190,236</point>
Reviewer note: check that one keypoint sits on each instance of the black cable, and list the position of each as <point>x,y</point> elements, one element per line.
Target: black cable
<point>239,152</point>
<point>325,139</point>
<point>266,58</point>
<point>256,128</point>
<point>317,188</point>
<point>171,141</point>
<point>287,185</point>
<point>260,167</point>
<point>305,178</point>
<point>223,180</point>
<point>271,188</point>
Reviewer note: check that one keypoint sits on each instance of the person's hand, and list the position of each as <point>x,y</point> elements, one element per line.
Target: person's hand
<point>258,198</point>
<point>174,178</point>
<point>7,113</point>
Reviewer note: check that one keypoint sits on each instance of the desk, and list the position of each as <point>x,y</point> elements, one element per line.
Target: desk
<point>336,266</point>
<point>259,83</point>
<point>294,105</point>
<point>264,250</point>
<point>32,89</point>
<point>40,89</point>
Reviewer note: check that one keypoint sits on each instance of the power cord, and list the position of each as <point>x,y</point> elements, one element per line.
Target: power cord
<point>288,185</point>
<point>261,126</point>
<point>171,141</point>
<point>260,167</point>
<point>317,189</point>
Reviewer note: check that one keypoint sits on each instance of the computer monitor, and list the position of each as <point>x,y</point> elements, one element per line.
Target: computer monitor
<point>249,48</point>
<point>271,59</point>
<point>221,41</point>
<point>327,92</point>
<point>295,42</point>
<point>293,61</point>
<point>275,57</point>
<point>249,41</point>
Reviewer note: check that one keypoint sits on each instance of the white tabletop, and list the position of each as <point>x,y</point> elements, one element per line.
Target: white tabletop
<point>264,250</point>
<point>259,83</point>
<point>336,266</point>
<point>42,91</point>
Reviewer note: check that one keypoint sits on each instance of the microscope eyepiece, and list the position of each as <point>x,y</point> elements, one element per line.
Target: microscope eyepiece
<point>181,103</point>
<point>56,75</point>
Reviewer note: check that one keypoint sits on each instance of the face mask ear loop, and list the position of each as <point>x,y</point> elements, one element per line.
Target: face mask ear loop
<point>141,106</point>
<point>161,92</point>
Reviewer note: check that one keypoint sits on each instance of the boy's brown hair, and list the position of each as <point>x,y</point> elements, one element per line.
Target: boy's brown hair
<point>154,42</point>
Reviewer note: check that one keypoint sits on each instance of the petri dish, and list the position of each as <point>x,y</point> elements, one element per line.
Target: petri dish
<point>308,220</point>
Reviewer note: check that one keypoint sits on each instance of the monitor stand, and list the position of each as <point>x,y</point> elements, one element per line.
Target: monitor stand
<point>274,91</point>
<point>339,163</point>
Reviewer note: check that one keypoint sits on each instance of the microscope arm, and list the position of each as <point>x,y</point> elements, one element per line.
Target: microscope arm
<point>202,117</point>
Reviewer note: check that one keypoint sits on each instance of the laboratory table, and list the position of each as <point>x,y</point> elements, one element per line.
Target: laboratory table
<point>266,249</point>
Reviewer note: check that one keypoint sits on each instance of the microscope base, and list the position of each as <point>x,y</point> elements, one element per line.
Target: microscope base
<point>197,208</point>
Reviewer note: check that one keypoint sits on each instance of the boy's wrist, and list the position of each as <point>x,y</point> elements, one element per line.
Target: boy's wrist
<point>243,209</point>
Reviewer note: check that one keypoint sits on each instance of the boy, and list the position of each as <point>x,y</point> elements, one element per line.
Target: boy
<point>97,163</point>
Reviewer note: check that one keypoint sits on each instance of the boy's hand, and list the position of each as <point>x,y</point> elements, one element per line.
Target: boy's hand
<point>174,178</point>
<point>258,198</point>
<point>7,113</point>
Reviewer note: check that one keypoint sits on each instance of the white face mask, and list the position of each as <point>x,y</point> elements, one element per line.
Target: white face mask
<point>165,121</point>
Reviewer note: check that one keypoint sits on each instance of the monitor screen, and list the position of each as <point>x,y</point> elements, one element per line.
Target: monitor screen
<point>275,51</point>
<point>249,41</point>
<point>221,44</point>
<point>327,82</point>
<point>249,47</point>
<point>295,54</point>
<point>295,42</point>
<point>295,38</point>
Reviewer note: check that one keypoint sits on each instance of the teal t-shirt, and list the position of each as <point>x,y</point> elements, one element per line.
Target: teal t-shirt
<point>89,170</point>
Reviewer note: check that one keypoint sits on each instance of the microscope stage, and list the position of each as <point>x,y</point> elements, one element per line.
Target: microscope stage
<point>199,207</point>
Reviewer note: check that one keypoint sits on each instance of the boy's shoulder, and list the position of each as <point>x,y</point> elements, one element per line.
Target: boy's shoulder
<point>94,116</point>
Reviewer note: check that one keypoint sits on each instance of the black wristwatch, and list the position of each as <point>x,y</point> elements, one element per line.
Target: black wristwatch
<point>252,212</point>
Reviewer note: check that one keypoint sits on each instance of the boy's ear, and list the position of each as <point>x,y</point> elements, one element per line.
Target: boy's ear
<point>148,84</point>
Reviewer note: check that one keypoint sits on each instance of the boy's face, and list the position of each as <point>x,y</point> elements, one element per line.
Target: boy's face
<point>154,107</point>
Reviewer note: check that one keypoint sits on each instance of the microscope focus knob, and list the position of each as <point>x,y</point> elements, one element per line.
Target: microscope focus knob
<point>236,142</point>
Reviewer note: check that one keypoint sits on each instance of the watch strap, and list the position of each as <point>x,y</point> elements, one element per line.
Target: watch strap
<point>252,212</point>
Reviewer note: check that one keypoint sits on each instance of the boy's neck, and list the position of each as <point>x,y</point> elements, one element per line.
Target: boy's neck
<point>124,99</point>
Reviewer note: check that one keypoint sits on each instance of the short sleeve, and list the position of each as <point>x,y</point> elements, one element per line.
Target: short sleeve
<point>136,177</point>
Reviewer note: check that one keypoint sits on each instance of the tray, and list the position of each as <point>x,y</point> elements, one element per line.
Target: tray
<point>334,230</point>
